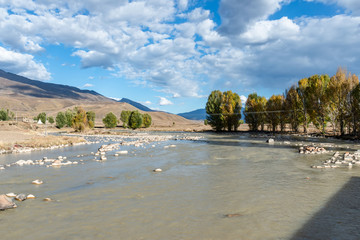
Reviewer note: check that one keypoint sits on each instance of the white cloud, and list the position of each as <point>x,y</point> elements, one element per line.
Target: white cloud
<point>164,102</point>
<point>237,15</point>
<point>87,85</point>
<point>147,103</point>
<point>22,64</point>
<point>243,100</point>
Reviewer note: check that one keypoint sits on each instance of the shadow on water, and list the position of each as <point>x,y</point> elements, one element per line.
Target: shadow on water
<point>338,219</point>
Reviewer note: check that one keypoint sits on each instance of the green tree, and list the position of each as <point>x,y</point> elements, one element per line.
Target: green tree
<point>135,120</point>
<point>110,120</point>
<point>214,116</point>
<point>69,115</point>
<point>124,117</point>
<point>60,120</point>
<point>147,120</point>
<point>42,117</point>
<point>50,120</point>
<point>6,115</point>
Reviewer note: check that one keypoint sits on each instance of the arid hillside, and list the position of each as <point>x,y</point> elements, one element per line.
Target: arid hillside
<point>27,98</point>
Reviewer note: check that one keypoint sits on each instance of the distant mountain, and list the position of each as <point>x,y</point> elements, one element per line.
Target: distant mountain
<point>199,114</point>
<point>15,85</point>
<point>136,104</point>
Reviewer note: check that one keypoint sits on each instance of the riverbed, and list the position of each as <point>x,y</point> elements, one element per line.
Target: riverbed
<point>230,186</point>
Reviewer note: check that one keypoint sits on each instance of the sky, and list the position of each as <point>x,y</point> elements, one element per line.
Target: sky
<point>170,54</point>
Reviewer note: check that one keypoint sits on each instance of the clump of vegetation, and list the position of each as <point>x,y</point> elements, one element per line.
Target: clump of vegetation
<point>223,110</point>
<point>41,117</point>
<point>77,118</point>
<point>319,99</point>
<point>110,120</point>
<point>6,115</point>
<point>60,120</point>
<point>124,117</point>
<point>135,120</point>
<point>147,120</point>
<point>50,120</point>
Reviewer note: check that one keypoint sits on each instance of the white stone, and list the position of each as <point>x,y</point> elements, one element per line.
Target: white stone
<point>37,182</point>
<point>11,194</point>
<point>157,170</point>
<point>30,196</point>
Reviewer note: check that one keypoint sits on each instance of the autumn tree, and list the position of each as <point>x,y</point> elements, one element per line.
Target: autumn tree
<point>255,107</point>
<point>274,109</point>
<point>147,120</point>
<point>318,99</point>
<point>302,90</point>
<point>80,121</point>
<point>230,109</point>
<point>293,108</point>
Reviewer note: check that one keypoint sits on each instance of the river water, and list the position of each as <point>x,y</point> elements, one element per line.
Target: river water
<point>270,189</point>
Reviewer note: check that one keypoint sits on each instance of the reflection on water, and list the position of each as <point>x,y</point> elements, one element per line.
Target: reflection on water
<point>271,189</point>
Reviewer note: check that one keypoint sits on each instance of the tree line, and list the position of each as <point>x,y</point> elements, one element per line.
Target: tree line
<point>319,99</point>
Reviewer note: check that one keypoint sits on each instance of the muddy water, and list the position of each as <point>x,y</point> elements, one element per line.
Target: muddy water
<point>270,189</point>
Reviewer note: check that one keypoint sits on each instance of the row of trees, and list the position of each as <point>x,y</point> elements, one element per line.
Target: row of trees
<point>77,118</point>
<point>134,119</point>
<point>319,99</point>
<point>223,110</point>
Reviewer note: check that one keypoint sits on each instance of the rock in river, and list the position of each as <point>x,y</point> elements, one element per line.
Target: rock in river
<point>21,197</point>
<point>6,203</point>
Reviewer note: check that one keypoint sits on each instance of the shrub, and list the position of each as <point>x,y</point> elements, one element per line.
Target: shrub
<point>91,118</point>
<point>50,120</point>
<point>60,120</point>
<point>110,120</point>
<point>135,120</point>
<point>124,117</point>
<point>42,117</point>
<point>80,122</point>
<point>6,115</point>
<point>147,120</point>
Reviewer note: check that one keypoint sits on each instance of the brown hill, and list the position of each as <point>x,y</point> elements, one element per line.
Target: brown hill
<point>27,98</point>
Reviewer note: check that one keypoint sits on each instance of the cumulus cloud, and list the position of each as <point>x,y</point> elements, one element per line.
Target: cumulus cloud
<point>175,57</point>
<point>22,64</point>
<point>164,102</point>
<point>237,15</point>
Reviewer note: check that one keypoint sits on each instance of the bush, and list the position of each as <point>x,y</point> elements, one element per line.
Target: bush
<point>42,117</point>
<point>6,115</point>
<point>135,120</point>
<point>110,120</point>
<point>80,122</point>
<point>60,120</point>
<point>124,117</point>
<point>91,118</point>
<point>147,120</point>
<point>69,115</point>
<point>50,120</point>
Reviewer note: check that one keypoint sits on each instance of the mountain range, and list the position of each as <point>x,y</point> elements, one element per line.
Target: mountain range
<point>27,98</point>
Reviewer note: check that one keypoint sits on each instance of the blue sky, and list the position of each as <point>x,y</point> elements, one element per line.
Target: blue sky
<point>170,54</point>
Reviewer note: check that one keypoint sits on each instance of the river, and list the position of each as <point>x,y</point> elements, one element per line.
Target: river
<point>270,192</point>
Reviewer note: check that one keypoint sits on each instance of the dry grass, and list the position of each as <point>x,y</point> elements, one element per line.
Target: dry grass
<point>43,142</point>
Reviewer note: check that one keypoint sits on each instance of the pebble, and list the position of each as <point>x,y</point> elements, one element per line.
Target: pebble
<point>20,197</point>
<point>37,182</point>
<point>6,203</point>
<point>11,194</point>
<point>157,170</point>
<point>30,196</point>
<point>47,199</point>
